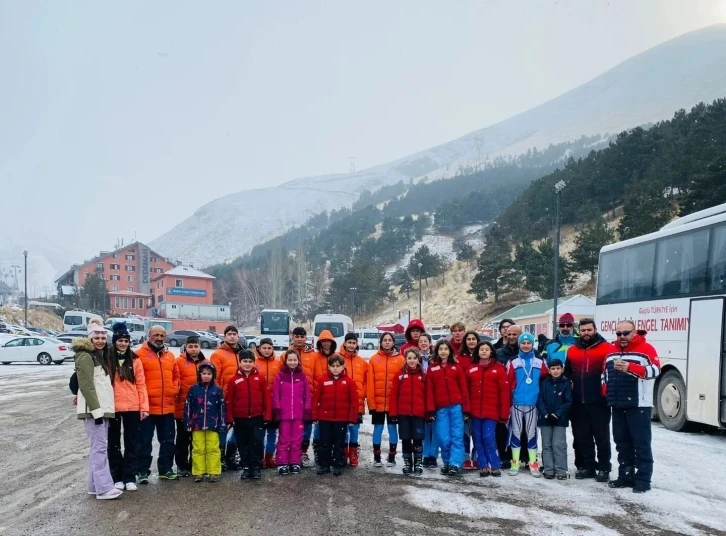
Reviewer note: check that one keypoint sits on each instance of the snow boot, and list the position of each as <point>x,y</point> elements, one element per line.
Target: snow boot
<point>603,476</point>
<point>417,464</point>
<point>231,457</point>
<point>625,478</point>
<point>353,453</point>
<point>391,461</point>
<point>305,459</point>
<point>407,464</point>
<point>581,474</point>
<point>270,462</point>
<point>377,456</point>
<point>315,452</point>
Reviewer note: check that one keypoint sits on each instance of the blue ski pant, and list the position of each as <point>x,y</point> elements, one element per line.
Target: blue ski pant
<point>430,443</point>
<point>352,434</point>
<point>270,440</point>
<point>483,431</point>
<point>378,434</point>
<point>632,435</point>
<point>450,432</point>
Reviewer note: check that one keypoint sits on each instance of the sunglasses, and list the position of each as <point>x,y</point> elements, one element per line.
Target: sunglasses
<point>623,333</point>
<point>565,325</point>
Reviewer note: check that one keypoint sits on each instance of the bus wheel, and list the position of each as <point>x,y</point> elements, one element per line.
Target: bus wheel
<point>672,401</point>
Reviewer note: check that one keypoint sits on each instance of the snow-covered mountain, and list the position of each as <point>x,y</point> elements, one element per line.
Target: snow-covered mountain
<point>646,88</point>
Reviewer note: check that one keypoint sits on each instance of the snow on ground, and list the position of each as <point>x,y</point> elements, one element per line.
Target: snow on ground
<point>438,245</point>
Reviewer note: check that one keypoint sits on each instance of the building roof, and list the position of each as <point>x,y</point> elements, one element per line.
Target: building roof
<point>187,271</point>
<point>540,308</point>
<point>128,294</point>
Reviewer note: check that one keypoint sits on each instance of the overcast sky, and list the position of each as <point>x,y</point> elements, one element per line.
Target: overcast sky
<point>124,117</point>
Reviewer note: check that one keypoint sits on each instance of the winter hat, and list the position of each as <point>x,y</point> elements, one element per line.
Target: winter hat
<point>351,337</point>
<point>567,318</point>
<point>266,340</point>
<point>525,337</point>
<point>555,363</point>
<point>120,331</point>
<point>95,330</point>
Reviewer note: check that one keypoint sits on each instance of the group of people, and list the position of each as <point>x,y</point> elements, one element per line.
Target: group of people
<point>254,409</point>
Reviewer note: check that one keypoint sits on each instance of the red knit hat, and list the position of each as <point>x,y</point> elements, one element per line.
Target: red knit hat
<point>567,318</point>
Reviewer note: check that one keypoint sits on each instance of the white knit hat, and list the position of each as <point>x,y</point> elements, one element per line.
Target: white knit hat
<point>95,330</point>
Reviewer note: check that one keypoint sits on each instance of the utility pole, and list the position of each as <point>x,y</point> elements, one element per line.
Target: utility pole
<point>420,292</point>
<point>352,293</point>
<point>558,189</point>
<point>25,254</point>
<point>15,268</point>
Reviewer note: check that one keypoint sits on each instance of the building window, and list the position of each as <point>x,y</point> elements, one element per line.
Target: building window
<point>160,298</point>
<point>158,270</point>
<point>118,301</point>
<point>130,289</point>
<point>130,278</point>
<point>115,255</point>
<point>130,257</point>
<point>130,268</point>
<point>179,283</point>
<point>221,309</point>
<point>99,266</point>
<point>153,259</point>
<point>133,303</point>
<point>173,306</point>
<point>115,267</point>
<point>132,251</point>
<point>126,303</point>
<point>115,277</point>
<point>114,288</point>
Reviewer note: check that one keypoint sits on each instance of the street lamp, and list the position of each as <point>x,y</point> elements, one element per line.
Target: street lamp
<point>25,254</point>
<point>558,189</point>
<point>352,292</point>
<point>420,316</point>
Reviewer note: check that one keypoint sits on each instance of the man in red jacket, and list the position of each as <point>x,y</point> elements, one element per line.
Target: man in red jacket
<point>590,414</point>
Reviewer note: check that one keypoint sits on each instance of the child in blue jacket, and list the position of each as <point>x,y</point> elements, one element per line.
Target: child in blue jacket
<point>553,404</point>
<point>204,418</point>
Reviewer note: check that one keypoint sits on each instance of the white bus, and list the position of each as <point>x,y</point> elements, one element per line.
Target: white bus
<point>78,320</point>
<point>338,325</point>
<point>672,283</point>
<point>275,324</point>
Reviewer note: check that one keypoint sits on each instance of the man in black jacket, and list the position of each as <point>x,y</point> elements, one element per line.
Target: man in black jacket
<point>503,327</point>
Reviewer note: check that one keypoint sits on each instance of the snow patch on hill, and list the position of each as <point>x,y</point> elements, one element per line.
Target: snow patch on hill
<point>438,245</point>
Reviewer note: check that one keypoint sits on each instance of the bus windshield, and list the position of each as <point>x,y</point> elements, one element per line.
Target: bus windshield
<point>274,323</point>
<point>336,328</point>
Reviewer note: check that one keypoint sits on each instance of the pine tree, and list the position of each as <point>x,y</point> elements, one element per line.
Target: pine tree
<point>496,274</point>
<point>538,268</point>
<point>707,189</point>
<point>431,265</point>
<point>401,278</point>
<point>95,292</point>
<point>466,253</point>
<point>586,255</point>
<point>646,208</point>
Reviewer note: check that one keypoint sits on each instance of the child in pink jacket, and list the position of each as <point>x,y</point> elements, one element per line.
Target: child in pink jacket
<point>292,408</point>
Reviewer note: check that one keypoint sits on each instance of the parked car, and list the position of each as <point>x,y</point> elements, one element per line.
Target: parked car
<point>180,336</point>
<point>368,339</point>
<point>43,350</point>
<point>399,340</point>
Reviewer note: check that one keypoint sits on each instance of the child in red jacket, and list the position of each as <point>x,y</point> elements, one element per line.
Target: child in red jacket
<point>335,406</point>
<point>248,403</point>
<point>447,401</point>
<point>489,398</point>
<point>408,409</point>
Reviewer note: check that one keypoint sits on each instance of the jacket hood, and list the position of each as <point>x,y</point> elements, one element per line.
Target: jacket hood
<point>326,335</point>
<point>346,354</point>
<point>230,348</point>
<point>201,358</point>
<point>305,349</point>
<point>638,339</point>
<point>82,344</point>
<point>415,370</point>
<point>296,370</point>
<point>206,364</point>
<point>391,353</point>
<point>258,355</point>
<point>415,323</point>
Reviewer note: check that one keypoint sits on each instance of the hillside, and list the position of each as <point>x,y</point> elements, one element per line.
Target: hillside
<point>644,89</point>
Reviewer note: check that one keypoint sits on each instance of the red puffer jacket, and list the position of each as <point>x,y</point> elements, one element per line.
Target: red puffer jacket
<point>408,393</point>
<point>247,396</point>
<point>336,399</point>
<point>489,393</point>
<point>446,386</point>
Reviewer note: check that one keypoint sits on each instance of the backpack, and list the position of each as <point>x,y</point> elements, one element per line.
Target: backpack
<point>73,384</point>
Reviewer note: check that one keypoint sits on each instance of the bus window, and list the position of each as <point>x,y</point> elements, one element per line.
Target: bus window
<point>680,268</point>
<point>627,274</point>
<point>336,328</point>
<point>717,260</point>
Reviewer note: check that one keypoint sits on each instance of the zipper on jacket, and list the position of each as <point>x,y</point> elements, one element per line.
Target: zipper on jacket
<point>481,392</point>
<point>446,382</point>
<point>249,397</point>
<point>335,398</point>
<point>385,387</point>
<point>161,371</point>
<point>412,384</point>
<point>204,421</point>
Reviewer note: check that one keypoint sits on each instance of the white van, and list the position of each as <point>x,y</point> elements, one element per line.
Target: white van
<point>78,320</point>
<point>368,338</point>
<point>338,325</point>
<point>136,328</point>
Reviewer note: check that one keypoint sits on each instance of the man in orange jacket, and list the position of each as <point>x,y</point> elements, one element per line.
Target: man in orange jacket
<point>226,360</point>
<point>162,384</point>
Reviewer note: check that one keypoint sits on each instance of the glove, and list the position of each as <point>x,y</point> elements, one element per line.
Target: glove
<point>276,415</point>
<point>360,419</point>
<point>552,419</point>
<point>308,415</point>
<point>392,420</point>
<point>98,421</point>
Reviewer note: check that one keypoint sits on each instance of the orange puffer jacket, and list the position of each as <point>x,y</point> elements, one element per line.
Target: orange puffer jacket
<point>321,361</point>
<point>357,368</point>
<point>267,367</point>
<point>129,396</point>
<point>308,358</point>
<point>162,379</point>
<point>226,360</point>
<point>383,367</point>
<point>188,378</point>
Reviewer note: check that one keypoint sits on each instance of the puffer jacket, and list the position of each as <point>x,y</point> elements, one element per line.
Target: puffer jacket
<point>247,396</point>
<point>162,379</point>
<point>187,379</point>
<point>382,368</point>
<point>291,395</point>
<point>634,388</point>
<point>558,347</point>
<point>267,367</point>
<point>555,396</point>
<point>584,367</point>
<point>336,399</point>
<point>507,353</point>
<point>410,343</point>
<point>445,387</point>
<point>489,393</point>
<point>321,359</point>
<point>204,406</point>
<point>131,396</point>
<point>95,392</point>
<point>357,368</point>
<point>226,361</point>
<point>308,358</point>
<point>408,393</point>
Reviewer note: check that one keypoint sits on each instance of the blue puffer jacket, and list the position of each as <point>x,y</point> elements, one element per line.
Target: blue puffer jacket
<point>557,348</point>
<point>555,396</point>
<point>204,409</point>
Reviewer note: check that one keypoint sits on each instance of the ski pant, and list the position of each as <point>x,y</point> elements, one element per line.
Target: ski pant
<point>288,442</point>
<point>554,448</point>
<point>483,431</point>
<point>430,445</point>
<point>206,454</point>
<point>502,436</point>
<point>226,436</point>
<point>632,435</point>
<point>331,445</point>
<point>123,466</point>
<point>270,433</point>
<point>183,449</point>
<point>99,479</point>
<point>378,419</point>
<point>450,432</point>
<point>523,419</point>
<point>249,433</point>
<point>590,428</point>
<point>307,432</point>
<point>411,431</point>
<point>164,426</point>
<point>353,430</point>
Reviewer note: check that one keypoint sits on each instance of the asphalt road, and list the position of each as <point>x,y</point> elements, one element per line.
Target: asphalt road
<point>43,456</point>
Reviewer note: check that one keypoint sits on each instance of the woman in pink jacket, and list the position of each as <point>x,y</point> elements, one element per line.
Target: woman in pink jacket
<point>292,408</point>
<point>132,405</point>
